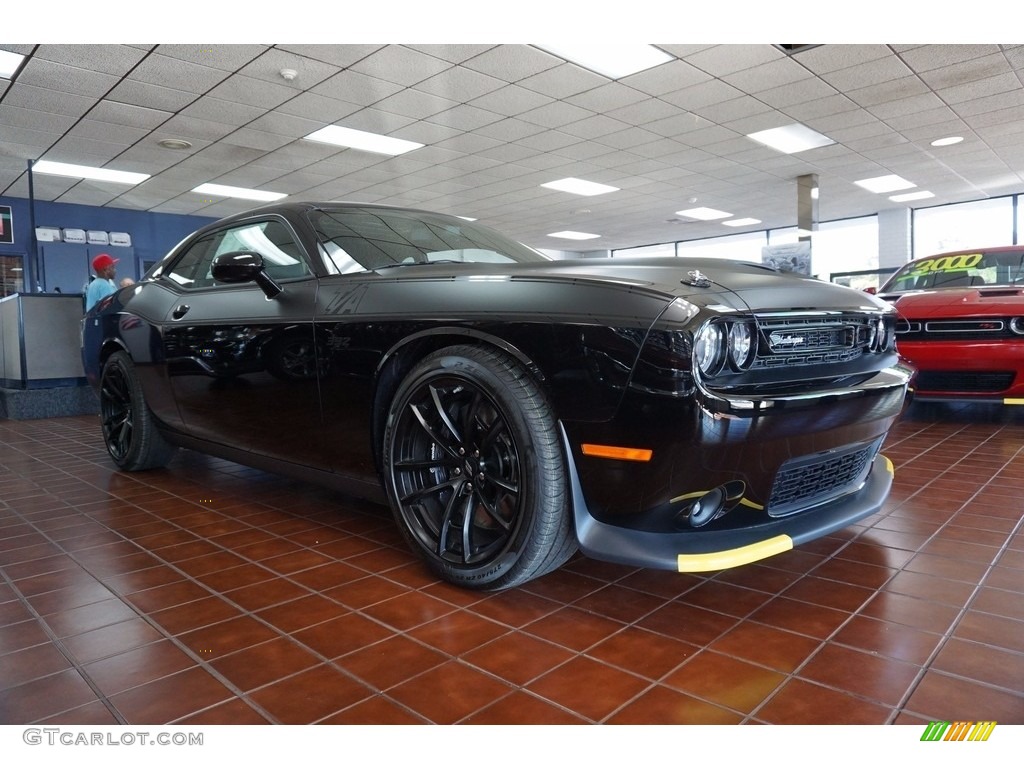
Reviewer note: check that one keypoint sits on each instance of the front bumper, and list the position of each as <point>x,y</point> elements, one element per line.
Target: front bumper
<point>701,551</point>
<point>720,489</point>
<point>967,371</point>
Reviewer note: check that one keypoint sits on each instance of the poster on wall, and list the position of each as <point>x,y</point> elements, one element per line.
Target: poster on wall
<point>6,224</point>
<point>790,257</point>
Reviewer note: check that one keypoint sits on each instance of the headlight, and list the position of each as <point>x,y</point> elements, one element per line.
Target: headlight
<point>709,349</point>
<point>1017,325</point>
<point>741,345</point>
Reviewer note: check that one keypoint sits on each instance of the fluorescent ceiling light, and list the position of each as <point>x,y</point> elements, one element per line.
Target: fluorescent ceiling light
<point>9,64</point>
<point>580,187</point>
<point>219,190</point>
<point>570,235</point>
<point>612,61</point>
<point>87,172</point>
<point>883,184</point>
<point>703,214</point>
<point>948,141</point>
<point>467,218</point>
<point>741,222</point>
<point>791,138</point>
<point>922,195</point>
<point>368,142</point>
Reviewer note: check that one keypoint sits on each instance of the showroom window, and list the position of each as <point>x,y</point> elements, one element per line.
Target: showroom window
<point>745,247</point>
<point>837,246</point>
<point>980,224</point>
<point>661,249</point>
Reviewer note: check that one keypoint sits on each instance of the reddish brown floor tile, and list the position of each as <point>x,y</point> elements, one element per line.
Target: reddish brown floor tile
<point>726,681</point>
<point>803,703</point>
<point>204,593</point>
<point>664,706</point>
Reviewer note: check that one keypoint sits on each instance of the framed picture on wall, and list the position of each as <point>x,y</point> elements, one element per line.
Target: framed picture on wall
<point>6,225</point>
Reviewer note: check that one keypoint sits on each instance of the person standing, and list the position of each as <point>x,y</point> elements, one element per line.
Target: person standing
<point>105,268</point>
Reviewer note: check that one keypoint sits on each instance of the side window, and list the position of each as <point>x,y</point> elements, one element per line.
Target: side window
<point>273,240</point>
<point>196,260</point>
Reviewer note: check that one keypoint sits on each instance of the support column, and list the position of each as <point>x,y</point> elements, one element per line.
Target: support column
<point>807,205</point>
<point>894,237</point>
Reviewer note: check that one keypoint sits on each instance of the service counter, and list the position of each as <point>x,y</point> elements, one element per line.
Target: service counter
<point>40,358</point>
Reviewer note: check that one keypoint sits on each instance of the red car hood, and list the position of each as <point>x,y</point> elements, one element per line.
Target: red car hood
<point>964,302</point>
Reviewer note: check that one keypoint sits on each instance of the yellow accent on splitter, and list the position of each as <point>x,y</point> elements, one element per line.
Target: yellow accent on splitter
<point>730,558</point>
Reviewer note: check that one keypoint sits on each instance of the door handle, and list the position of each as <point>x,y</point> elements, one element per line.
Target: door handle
<point>180,311</point>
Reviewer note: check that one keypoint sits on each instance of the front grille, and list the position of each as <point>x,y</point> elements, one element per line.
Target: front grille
<point>814,480</point>
<point>964,381</point>
<point>988,329</point>
<point>812,340</point>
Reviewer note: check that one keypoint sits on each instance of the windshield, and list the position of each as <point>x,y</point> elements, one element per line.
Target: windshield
<point>959,270</point>
<point>358,239</point>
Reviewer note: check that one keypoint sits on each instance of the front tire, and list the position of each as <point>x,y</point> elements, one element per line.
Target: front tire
<point>474,470</point>
<point>129,430</point>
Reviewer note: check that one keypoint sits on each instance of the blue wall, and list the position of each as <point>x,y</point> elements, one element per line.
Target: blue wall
<point>153,234</point>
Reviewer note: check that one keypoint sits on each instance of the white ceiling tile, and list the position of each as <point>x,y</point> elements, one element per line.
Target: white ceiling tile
<point>151,96</point>
<point>400,65</point>
<point>460,84</point>
<point>512,63</point>
<point>62,77</point>
<point>115,60</point>
<point>193,78</point>
<point>563,81</point>
<point>251,91</point>
<point>356,88</point>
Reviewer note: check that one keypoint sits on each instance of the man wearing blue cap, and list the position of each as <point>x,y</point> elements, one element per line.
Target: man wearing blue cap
<point>105,268</point>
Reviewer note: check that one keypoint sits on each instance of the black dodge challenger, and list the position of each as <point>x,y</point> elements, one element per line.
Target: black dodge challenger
<point>683,414</point>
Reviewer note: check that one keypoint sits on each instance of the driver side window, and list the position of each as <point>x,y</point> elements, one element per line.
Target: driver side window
<point>273,240</point>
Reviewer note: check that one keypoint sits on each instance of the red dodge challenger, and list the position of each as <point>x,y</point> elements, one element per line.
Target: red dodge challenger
<point>961,324</point>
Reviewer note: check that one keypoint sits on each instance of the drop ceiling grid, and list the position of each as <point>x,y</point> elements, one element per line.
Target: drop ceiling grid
<point>501,119</point>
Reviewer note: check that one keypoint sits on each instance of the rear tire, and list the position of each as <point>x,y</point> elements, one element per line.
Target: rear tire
<point>474,470</point>
<point>130,432</point>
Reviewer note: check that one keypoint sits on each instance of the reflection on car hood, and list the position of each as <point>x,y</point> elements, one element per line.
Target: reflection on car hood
<point>952,302</point>
<point>741,285</point>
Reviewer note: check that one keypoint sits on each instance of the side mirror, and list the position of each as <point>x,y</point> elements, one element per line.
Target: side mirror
<point>244,267</point>
<point>871,289</point>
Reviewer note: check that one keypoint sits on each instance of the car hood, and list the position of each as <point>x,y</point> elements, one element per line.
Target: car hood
<point>740,286</point>
<point>954,302</point>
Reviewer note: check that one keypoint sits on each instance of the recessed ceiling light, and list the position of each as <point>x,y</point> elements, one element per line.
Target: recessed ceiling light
<point>570,235</point>
<point>791,138</point>
<point>580,187</point>
<point>368,142</point>
<point>612,61</point>
<point>87,172</point>
<point>219,190</point>
<point>9,64</point>
<point>922,195</point>
<point>703,214</point>
<point>883,184</point>
<point>741,222</point>
<point>947,141</point>
<point>174,144</point>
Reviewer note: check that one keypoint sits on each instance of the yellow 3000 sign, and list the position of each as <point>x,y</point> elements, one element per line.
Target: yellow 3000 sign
<point>948,263</point>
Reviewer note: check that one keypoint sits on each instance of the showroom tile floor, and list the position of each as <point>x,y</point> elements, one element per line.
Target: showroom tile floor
<point>209,593</point>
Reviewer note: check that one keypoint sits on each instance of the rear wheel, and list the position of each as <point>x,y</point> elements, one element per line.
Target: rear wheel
<point>129,430</point>
<point>474,470</point>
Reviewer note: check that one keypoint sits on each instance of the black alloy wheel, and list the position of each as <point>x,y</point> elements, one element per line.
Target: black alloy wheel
<point>475,472</point>
<point>129,429</point>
